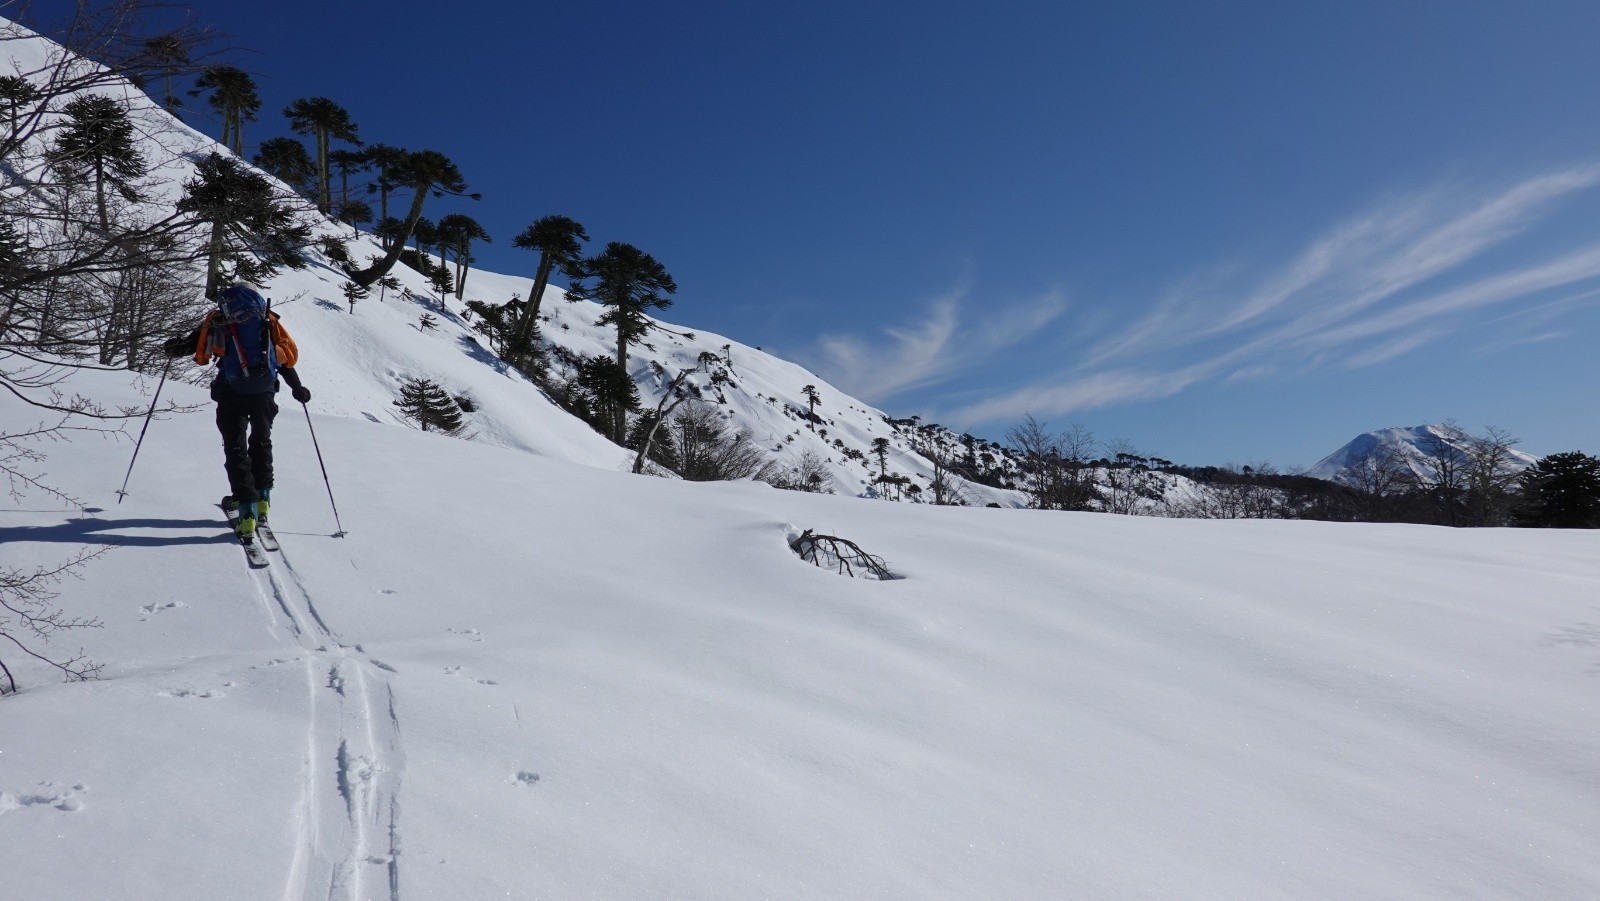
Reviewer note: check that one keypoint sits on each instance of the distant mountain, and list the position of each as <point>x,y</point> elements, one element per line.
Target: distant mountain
<point>1413,445</point>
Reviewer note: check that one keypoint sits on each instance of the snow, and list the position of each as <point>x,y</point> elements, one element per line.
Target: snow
<point>553,680</point>
<point>526,673</point>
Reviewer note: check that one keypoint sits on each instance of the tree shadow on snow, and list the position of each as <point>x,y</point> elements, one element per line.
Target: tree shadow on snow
<point>99,531</point>
<point>470,346</point>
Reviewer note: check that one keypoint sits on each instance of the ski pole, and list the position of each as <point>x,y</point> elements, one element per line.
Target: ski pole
<point>123,491</point>
<point>324,466</point>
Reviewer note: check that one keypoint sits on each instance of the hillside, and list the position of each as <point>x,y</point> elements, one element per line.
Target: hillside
<point>356,359</point>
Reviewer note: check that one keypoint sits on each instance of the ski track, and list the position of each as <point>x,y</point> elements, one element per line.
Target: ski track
<point>347,818</point>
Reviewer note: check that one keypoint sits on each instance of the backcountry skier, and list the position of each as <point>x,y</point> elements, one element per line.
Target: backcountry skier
<point>251,349</point>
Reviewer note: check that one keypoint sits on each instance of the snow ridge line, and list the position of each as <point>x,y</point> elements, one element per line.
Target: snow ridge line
<point>349,824</point>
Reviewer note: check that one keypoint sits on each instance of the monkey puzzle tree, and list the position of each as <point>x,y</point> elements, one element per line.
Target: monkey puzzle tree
<point>287,160</point>
<point>1561,491</point>
<point>424,402</point>
<point>324,120</point>
<point>424,172</point>
<point>346,162</point>
<point>97,141</point>
<point>880,449</point>
<point>456,234</point>
<point>168,55</point>
<point>812,399</point>
<point>627,281</point>
<point>18,96</point>
<point>253,227</point>
<point>232,94</point>
<point>557,240</point>
<point>387,161</point>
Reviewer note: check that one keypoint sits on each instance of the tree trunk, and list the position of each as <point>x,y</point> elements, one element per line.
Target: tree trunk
<point>378,270</point>
<point>530,315</point>
<point>324,198</point>
<point>214,263</point>
<point>461,272</point>
<point>100,195</point>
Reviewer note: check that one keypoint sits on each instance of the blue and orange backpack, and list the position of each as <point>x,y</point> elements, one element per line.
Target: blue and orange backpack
<point>243,341</point>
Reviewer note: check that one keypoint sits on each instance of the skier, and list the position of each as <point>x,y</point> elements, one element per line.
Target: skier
<point>252,349</point>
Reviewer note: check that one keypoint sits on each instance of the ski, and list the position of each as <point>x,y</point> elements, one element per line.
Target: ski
<point>254,553</point>
<point>252,550</point>
<point>265,538</point>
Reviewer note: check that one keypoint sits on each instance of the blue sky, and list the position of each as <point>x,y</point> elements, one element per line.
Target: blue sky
<point>1224,231</point>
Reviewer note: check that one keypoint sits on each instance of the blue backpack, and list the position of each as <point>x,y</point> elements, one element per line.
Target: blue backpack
<point>244,328</point>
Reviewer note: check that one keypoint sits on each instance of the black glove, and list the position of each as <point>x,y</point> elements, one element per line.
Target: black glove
<point>182,345</point>
<point>301,393</point>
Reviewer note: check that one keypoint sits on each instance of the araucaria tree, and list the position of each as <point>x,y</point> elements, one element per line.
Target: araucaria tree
<point>323,120</point>
<point>232,95</point>
<point>424,172</point>
<point>347,163</point>
<point>1561,491</point>
<point>612,393</point>
<point>456,234</point>
<point>97,141</point>
<point>812,399</point>
<point>254,229</point>
<point>386,161</point>
<point>168,55</point>
<point>287,160</point>
<point>880,449</point>
<point>429,406</point>
<point>558,241</point>
<point>628,282</point>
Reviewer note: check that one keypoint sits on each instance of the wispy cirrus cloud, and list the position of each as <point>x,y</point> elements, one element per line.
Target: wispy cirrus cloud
<point>1368,290</point>
<point>939,344</point>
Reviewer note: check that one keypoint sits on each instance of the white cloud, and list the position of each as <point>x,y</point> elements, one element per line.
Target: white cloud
<point>934,348</point>
<point>1348,298</point>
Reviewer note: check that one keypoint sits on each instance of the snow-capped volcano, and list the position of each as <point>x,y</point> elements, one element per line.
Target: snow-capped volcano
<point>1411,446</point>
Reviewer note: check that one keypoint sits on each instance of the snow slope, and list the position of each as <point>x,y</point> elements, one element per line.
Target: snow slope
<point>1412,445</point>
<point>522,677</point>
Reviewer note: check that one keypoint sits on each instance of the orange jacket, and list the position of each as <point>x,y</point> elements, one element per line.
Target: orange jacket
<point>288,353</point>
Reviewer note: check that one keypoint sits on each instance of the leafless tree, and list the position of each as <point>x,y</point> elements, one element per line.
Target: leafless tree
<point>677,393</point>
<point>29,618</point>
<point>1491,473</point>
<point>809,473</point>
<point>81,285</point>
<point>1377,480</point>
<point>1055,468</point>
<point>708,451</point>
<point>1444,470</point>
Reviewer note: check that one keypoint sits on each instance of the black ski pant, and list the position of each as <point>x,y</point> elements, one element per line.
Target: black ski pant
<point>245,421</point>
